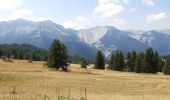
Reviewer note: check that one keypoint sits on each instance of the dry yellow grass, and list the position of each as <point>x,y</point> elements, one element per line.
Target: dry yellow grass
<point>34,82</point>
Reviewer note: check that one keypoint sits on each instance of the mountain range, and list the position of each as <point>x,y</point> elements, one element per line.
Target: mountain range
<point>84,42</point>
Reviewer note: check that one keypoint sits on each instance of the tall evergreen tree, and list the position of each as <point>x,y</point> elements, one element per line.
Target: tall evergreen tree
<point>128,61</point>
<point>99,63</point>
<point>133,59</point>
<point>115,62</point>
<point>138,65</point>
<point>142,55</point>
<point>57,56</point>
<point>118,61</point>
<point>142,60</point>
<point>0,53</point>
<point>160,65</point>
<point>111,61</point>
<point>121,61</point>
<point>166,68</point>
<point>156,61</point>
<point>150,61</point>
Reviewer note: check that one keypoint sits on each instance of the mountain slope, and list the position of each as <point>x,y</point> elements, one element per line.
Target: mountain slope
<point>41,34</point>
<point>158,40</point>
<point>109,39</point>
<point>83,42</point>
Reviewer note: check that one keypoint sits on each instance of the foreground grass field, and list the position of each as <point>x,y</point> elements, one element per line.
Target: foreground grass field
<point>21,80</point>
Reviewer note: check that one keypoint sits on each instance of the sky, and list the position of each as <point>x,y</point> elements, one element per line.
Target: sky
<point>82,14</point>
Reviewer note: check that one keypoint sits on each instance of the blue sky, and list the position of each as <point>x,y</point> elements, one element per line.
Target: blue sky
<point>80,14</point>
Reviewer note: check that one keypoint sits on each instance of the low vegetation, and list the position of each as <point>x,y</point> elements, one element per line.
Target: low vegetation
<point>22,51</point>
<point>42,81</point>
<point>166,68</point>
<point>22,80</point>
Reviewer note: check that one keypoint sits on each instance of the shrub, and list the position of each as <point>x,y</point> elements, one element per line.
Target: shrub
<point>166,68</point>
<point>84,64</point>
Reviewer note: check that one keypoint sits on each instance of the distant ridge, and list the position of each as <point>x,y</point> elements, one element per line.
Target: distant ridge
<point>84,42</point>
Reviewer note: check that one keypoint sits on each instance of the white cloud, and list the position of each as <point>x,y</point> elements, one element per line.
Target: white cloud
<point>82,19</point>
<point>126,1</point>
<point>10,4</point>
<point>133,9</point>
<point>22,13</point>
<point>117,22</point>
<point>148,2</point>
<point>108,1</point>
<point>79,23</point>
<point>16,11</point>
<point>155,17</point>
<point>25,14</point>
<point>108,8</point>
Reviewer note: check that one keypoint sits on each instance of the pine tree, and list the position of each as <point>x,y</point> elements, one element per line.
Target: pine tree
<point>142,60</point>
<point>0,53</point>
<point>118,61</point>
<point>138,65</point>
<point>57,56</point>
<point>156,61</point>
<point>111,61</point>
<point>115,62</point>
<point>121,61</point>
<point>133,59</point>
<point>150,61</point>
<point>128,61</point>
<point>166,68</point>
<point>99,63</point>
<point>160,65</point>
<point>22,51</point>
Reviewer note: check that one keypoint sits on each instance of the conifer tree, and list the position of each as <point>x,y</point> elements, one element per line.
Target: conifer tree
<point>116,57</point>
<point>57,56</point>
<point>111,61</point>
<point>138,65</point>
<point>166,68</point>
<point>160,65</point>
<point>22,51</point>
<point>142,60</point>
<point>118,61</point>
<point>99,63</point>
<point>149,61</point>
<point>133,59</point>
<point>156,61</point>
<point>121,61</point>
<point>0,53</point>
<point>128,59</point>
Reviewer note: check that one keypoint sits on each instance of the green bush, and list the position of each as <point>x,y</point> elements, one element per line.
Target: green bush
<point>166,68</point>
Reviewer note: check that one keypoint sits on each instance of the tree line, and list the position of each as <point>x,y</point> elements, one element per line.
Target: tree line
<point>142,62</point>
<point>23,52</point>
<point>57,57</point>
<point>30,52</point>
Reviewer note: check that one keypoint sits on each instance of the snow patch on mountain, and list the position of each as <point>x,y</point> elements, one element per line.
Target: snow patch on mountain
<point>92,35</point>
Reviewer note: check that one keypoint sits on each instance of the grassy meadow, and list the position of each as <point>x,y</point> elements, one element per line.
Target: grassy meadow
<point>21,80</point>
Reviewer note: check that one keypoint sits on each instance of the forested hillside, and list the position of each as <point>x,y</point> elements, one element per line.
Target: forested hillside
<point>23,51</point>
